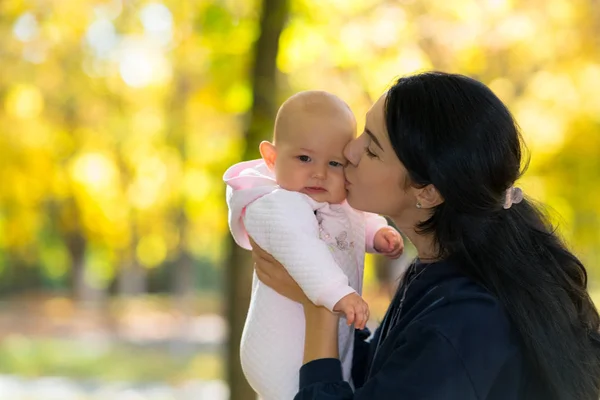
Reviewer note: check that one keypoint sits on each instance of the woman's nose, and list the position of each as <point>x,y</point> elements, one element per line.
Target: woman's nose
<point>352,152</point>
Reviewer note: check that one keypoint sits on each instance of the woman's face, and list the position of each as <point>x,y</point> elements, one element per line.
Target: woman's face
<point>376,179</point>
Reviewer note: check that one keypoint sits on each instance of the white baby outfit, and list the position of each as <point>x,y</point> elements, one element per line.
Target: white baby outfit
<point>321,245</point>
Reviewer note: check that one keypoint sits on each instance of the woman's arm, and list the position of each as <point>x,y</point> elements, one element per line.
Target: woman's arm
<point>423,366</point>
<point>321,338</point>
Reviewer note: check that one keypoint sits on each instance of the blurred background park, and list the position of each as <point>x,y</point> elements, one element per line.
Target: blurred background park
<point>118,277</point>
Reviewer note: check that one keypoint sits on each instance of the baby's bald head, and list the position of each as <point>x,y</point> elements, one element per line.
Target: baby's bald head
<point>316,103</point>
<point>312,129</point>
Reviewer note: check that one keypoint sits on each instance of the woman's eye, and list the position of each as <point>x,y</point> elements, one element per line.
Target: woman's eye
<point>304,158</point>
<point>370,154</point>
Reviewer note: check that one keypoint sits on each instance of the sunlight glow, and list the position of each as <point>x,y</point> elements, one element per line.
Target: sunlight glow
<point>151,250</point>
<point>142,63</point>
<point>102,37</point>
<point>95,171</point>
<point>158,22</point>
<point>24,101</point>
<point>26,27</point>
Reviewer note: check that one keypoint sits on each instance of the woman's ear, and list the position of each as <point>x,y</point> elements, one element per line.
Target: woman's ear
<point>268,153</point>
<point>429,197</point>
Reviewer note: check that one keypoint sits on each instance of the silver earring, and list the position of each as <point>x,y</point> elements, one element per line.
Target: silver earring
<point>419,204</point>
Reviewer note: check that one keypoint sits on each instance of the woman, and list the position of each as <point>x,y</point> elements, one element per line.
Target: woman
<point>495,306</point>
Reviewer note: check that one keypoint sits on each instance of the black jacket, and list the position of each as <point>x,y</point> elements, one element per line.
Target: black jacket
<point>448,339</point>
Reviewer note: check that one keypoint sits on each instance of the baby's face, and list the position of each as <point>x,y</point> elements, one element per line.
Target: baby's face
<point>310,157</point>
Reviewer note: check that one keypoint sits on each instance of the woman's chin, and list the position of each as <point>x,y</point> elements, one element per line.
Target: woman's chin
<point>353,201</point>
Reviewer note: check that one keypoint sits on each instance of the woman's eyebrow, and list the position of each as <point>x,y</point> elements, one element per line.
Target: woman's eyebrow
<point>373,138</point>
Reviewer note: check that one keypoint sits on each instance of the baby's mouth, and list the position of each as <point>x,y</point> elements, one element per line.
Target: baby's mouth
<point>315,189</point>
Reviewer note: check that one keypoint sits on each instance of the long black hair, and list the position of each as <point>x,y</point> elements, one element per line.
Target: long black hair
<point>453,132</point>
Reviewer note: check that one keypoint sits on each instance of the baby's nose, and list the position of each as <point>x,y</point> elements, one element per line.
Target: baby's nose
<point>320,173</point>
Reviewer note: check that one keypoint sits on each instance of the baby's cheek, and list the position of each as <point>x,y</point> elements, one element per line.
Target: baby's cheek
<point>292,180</point>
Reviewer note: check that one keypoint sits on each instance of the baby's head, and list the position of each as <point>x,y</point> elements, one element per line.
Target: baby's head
<point>311,130</point>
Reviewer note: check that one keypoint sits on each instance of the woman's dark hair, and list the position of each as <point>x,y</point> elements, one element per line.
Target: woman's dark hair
<point>453,132</point>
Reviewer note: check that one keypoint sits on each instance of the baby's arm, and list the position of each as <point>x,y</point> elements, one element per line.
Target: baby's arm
<point>382,238</point>
<point>284,225</point>
<point>373,223</point>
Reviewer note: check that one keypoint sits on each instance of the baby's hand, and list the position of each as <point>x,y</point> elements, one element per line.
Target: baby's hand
<point>355,309</point>
<point>388,242</point>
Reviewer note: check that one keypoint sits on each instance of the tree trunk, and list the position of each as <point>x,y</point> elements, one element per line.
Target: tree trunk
<point>82,291</point>
<point>183,272</point>
<point>261,118</point>
<point>132,280</point>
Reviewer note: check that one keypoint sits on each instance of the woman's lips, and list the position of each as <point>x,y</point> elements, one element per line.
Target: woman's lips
<point>315,189</point>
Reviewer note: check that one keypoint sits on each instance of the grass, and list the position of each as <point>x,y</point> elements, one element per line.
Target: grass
<point>32,352</point>
<point>27,357</point>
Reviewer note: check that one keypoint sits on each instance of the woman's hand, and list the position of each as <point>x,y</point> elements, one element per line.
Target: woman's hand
<point>274,275</point>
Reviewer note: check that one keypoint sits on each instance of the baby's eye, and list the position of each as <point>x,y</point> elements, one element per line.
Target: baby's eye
<point>336,164</point>
<point>304,158</point>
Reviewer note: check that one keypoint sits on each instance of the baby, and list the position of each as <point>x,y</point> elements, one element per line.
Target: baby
<point>292,204</point>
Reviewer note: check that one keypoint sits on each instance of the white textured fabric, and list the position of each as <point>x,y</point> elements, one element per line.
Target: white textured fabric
<point>321,245</point>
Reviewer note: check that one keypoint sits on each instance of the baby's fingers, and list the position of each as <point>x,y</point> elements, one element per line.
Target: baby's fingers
<point>365,318</point>
<point>350,316</point>
<point>362,316</point>
<point>359,316</point>
<point>367,315</point>
<point>360,321</point>
<point>395,254</point>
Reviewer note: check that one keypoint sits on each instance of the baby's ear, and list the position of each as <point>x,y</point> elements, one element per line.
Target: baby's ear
<point>269,153</point>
